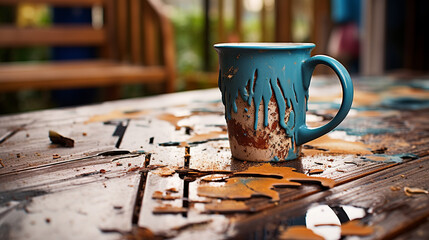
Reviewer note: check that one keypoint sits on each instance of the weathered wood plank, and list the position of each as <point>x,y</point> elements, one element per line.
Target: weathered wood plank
<point>163,125</point>
<point>59,2</point>
<point>391,211</point>
<point>57,36</point>
<point>85,77</point>
<point>81,212</point>
<point>31,147</point>
<point>421,231</point>
<point>94,198</point>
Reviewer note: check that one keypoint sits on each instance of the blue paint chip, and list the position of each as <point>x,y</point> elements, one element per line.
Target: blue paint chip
<point>365,131</point>
<point>406,103</point>
<point>385,158</point>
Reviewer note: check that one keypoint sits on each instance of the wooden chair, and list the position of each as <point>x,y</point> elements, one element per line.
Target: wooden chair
<point>133,34</point>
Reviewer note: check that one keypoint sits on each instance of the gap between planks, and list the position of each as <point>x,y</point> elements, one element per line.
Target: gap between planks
<point>346,194</point>
<point>140,191</point>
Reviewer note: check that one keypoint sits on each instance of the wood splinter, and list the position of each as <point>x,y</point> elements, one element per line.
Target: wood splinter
<point>410,191</point>
<point>57,138</point>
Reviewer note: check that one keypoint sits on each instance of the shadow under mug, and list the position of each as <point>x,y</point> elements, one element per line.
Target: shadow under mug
<point>265,92</point>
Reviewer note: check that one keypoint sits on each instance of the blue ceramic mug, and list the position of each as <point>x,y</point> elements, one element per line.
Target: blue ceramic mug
<point>265,92</point>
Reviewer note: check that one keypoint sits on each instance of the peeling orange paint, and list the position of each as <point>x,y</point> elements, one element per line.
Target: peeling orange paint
<point>215,178</point>
<point>405,91</point>
<point>167,196</point>
<point>116,114</point>
<point>361,98</point>
<point>299,233</point>
<point>260,181</point>
<point>173,119</point>
<point>227,206</point>
<point>234,188</point>
<point>206,136</point>
<point>355,227</point>
<point>168,209</point>
<point>376,158</point>
<point>164,171</point>
<point>336,146</point>
<point>315,171</point>
<point>286,174</point>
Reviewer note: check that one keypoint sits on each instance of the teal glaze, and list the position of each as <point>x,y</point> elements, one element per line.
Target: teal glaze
<point>405,103</point>
<point>282,69</point>
<point>365,131</point>
<point>304,133</point>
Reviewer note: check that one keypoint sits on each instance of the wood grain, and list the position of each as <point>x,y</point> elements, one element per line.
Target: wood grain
<point>120,40</point>
<point>52,36</point>
<point>109,196</point>
<point>75,75</point>
<point>392,211</point>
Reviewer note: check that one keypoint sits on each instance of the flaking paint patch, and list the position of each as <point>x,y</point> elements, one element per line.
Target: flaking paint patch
<point>116,114</point>
<point>299,233</point>
<point>164,171</point>
<point>215,178</point>
<point>356,228</point>
<point>373,113</point>
<point>360,99</point>
<point>164,196</point>
<point>227,206</point>
<point>336,146</point>
<point>396,158</point>
<point>406,91</point>
<point>287,174</point>
<point>168,209</point>
<point>207,136</point>
<point>173,119</point>
<point>260,181</point>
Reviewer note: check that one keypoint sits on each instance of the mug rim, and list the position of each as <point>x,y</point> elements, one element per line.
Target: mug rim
<point>266,45</point>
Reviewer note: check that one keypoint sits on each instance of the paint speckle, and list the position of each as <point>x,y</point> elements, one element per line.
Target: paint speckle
<point>168,209</point>
<point>328,145</point>
<point>315,171</point>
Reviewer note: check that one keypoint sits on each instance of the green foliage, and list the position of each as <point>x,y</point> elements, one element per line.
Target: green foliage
<point>189,40</point>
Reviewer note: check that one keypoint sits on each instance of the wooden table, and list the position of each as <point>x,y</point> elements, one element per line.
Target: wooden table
<point>143,168</point>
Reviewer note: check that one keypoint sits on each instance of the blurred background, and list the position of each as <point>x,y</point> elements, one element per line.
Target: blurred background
<point>58,53</point>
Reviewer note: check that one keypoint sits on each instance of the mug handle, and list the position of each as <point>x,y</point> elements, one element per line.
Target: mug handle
<point>306,134</point>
